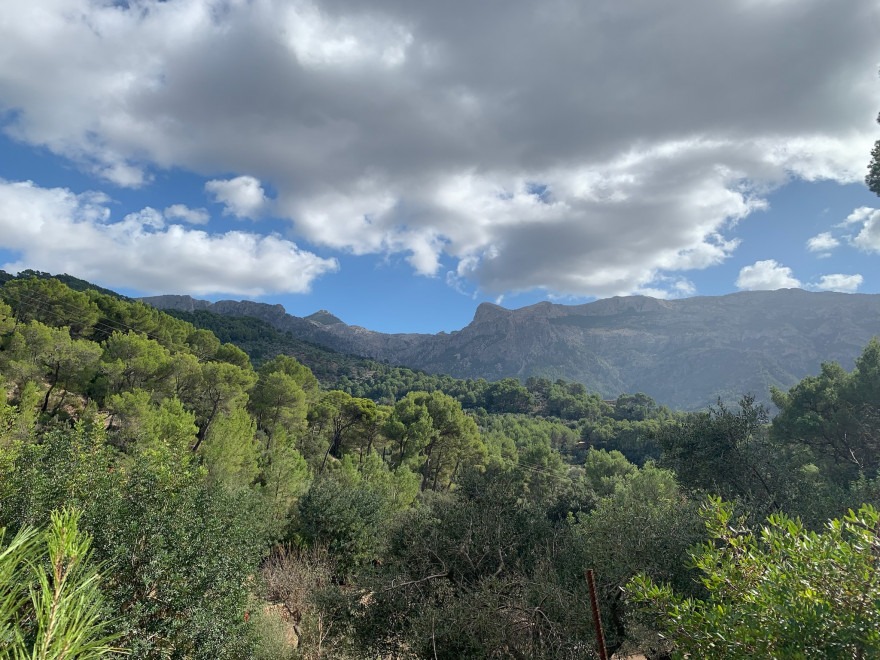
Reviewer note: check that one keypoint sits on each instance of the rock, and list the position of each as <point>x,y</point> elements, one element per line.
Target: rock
<point>684,353</point>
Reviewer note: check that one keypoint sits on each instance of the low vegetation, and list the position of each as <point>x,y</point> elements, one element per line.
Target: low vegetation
<point>166,494</point>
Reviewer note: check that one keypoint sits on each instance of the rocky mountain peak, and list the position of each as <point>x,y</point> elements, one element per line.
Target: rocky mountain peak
<point>323,317</point>
<point>489,312</point>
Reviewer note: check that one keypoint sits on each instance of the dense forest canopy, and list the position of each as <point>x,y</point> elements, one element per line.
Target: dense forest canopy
<point>208,487</point>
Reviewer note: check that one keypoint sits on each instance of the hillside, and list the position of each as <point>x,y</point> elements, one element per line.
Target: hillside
<point>684,353</point>
<point>193,475</point>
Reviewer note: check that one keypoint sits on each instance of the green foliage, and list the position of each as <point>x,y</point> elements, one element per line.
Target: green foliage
<point>835,417</point>
<point>203,344</point>
<point>783,592</point>
<point>69,281</point>
<point>284,475</point>
<point>566,400</point>
<point>397,488</point>
<point>345,518</point>
<point>138,425</point>
<point>52,303</point>
<point>421,528</point>
<point>579,493</point>
<point>525,431</point>
<point>872,178</point>
<point>508,395</point>
<point>14,557</point>
<point>638,407</point>
<point>280,399</point>
<point>604,470</point>
<point>342,422</point>
<point>180,555</point>
<point>123,315</point>
<point>94,312</point>
<point>730,453</point>
<point>469,575</point>
<point>7,321</point>
<point>177,552</point>
<point>134,361</point>
<point>37,353</point>
<point>50,600</point>
<point>223,387</point>
<point>262,341</point>
<point>274,634</point>
<point>644,524</point>
<point>542,469</point>
<point>230,450</point>
<point>429,432</point>
<point>67,467</point>
<point>233,355</point>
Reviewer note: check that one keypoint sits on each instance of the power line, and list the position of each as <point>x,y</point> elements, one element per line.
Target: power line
<point>38,302</point>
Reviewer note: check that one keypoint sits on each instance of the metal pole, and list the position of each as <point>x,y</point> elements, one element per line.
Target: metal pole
<point>597,620</point>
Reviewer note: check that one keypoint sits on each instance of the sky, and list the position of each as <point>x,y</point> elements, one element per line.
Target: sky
<point>399,162</point>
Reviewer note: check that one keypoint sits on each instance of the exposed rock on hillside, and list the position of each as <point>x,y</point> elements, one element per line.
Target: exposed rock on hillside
<point>685,353</point>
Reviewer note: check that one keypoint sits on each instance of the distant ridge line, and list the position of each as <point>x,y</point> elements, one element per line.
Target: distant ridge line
<point>686,353</point>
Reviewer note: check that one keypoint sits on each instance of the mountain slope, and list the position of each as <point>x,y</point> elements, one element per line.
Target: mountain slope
<point>685,353</point>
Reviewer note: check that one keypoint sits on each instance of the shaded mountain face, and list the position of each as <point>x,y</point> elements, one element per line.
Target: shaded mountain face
<point>323,317</point>
<point>685,353</point>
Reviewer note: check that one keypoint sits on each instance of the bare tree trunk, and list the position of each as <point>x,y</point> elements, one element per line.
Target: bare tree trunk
<point>454,472</point>
<point>437,469</point>
<point>425,470</point>
<point>51,387</point>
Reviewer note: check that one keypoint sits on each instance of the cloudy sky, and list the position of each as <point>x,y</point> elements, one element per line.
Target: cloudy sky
<point>398,162</point>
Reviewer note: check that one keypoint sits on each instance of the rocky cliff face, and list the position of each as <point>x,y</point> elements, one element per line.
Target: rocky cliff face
<point>685,353</point>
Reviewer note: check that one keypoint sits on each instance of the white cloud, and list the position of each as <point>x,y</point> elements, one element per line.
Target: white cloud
<point>839,282</point>
<point>822,242</point>
<point>318,39</point>
<point>684,287</point>
<point>764,275</point>
<point>868,238</point>
<point>58,231</point>
<point>191,216</point>
<point>242,196</point>
<point>427,129</point>
<point>860,215</point>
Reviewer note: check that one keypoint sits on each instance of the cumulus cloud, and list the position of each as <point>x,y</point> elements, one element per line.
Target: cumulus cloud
<point>766,275</point>
<point>586,148</point>
<point>839,282</point>
<point>860,215</point>
<point>59,231</point>
<point>867,220</point>
<point>183,212</point>
<point>822,242</point>
<point>242,196</point>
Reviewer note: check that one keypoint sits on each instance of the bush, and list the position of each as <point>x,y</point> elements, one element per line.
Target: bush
<point>785,592</point>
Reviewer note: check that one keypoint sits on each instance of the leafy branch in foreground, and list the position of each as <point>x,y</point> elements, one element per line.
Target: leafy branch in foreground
<point>50,601</point>
<point>782,593</point>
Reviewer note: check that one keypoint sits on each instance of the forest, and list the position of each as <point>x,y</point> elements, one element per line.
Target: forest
<point>192,486</point>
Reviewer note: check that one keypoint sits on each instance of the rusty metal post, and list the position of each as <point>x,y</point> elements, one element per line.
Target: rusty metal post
<point>597,619</point>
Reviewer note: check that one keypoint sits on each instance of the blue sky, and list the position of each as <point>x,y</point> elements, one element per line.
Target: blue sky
<point>398,163</point>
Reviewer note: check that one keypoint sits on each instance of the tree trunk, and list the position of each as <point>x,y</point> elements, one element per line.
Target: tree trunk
<point>203,430</point>
<point>437,469</point>
<point>45,406</point>
<point>425,470</point>
<point>454,472</point>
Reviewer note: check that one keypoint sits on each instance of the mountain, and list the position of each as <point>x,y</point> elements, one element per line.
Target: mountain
<point>685,353</point>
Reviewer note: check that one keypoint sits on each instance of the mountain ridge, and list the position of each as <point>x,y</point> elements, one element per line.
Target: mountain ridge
<point>685,353</point>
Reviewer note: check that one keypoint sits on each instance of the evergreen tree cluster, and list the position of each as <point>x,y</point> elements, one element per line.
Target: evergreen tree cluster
<point>196,486</point>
